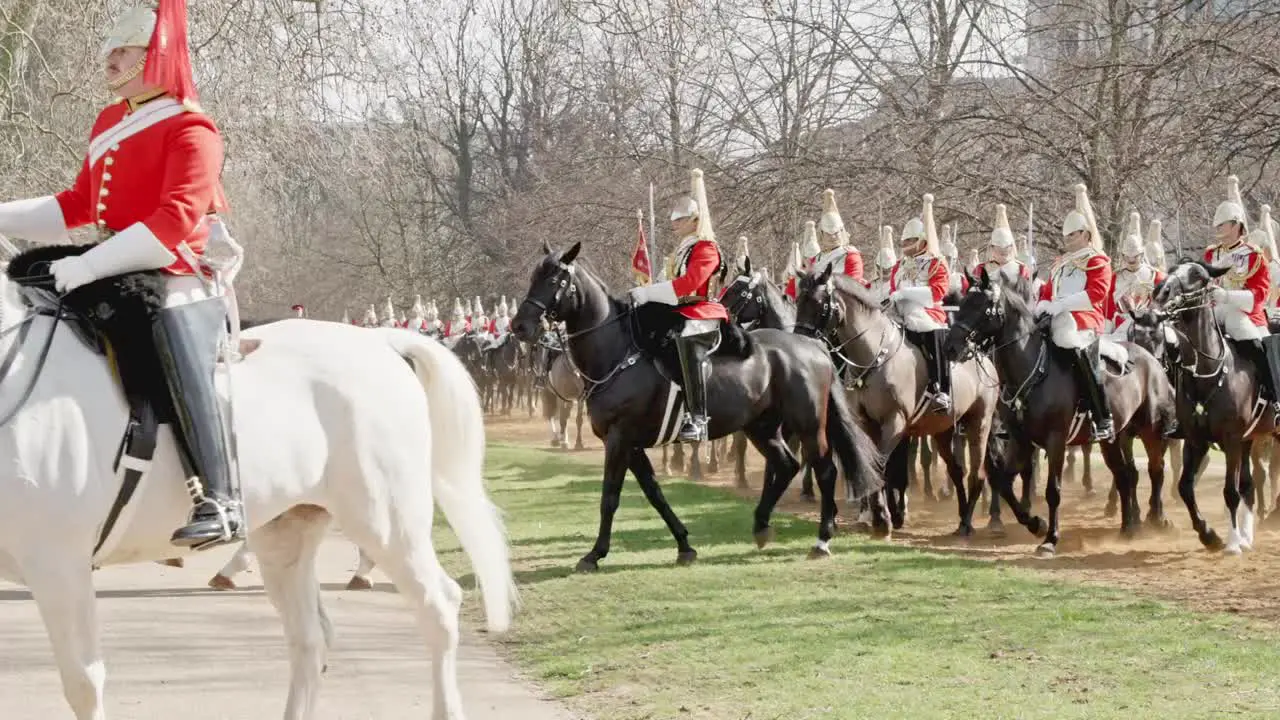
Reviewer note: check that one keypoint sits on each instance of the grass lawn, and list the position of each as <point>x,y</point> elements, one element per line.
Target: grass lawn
<point>877,632</point>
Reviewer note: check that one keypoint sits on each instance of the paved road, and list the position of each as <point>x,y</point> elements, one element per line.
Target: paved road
<point>166,660</point>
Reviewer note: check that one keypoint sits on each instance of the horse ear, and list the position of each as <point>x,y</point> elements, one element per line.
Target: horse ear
<point>571,254</point>
<point>1217,270</point>
<point>825,277</point>
<point>546,248</point>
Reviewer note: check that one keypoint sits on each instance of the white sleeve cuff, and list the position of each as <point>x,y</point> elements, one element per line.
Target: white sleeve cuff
<point>1076,301</point>
<point>131,250</point>
<point>37,220</point>
<point>922,296</point>
<point>1242,299</point>
<point>664,293</point>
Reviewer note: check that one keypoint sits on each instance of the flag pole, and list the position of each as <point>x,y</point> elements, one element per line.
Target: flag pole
<point>652,243</point>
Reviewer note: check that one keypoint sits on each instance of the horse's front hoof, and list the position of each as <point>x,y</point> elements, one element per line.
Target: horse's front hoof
<point>174,563</point>
<point>1047,551</point>
<point>965,530</point>
<point>686,558</point>
<point>1110,511</point>
<point>995,528</point>
<point>763,537</point>
<point>359,583</point>
<point>1037,527</point>
<point>587,565</point>
<point>578,445</point>
<point>1211,541</point>
<point>819,552</point>
<point>222,582</point>
<point>881,531</point>
<point>1158,521</point>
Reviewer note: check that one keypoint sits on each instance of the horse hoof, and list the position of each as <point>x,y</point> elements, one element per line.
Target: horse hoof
<point>359,583</point>
<point>881,532</point>
<point>995,528</point>
<point>174,562</point>
<point>222,582</point>
<point>1211,541</point>
<point>808,497</point>
<point>587,565</point>
<point>964,531</point>
<point>686,558</point>
<point>578,445</point>
<point>819,553</point>
<point>1037,527</point>
<point>1159,522</point>
<point>763,537</point>
<point>1046,551</point>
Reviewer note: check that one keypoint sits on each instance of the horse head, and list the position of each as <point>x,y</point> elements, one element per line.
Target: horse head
<point>753,301</point>
<point>1187,285</point>
<point>1147,331</point>
<point>990,310</point>
<point>552,294</point>
<point>826,302</point>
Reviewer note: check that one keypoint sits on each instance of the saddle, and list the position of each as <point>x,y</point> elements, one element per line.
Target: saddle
<point>112,316</point>
<point>654,327</point>
<point>1113,355</point>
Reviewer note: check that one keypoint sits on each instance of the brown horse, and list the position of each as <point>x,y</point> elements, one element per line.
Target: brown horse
<point>886,378</point>
<point>1218,400</point>
<point>1039,388</point>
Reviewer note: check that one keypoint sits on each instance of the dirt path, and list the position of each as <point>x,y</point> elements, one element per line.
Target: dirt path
<point>1163,565</point>
<point>177,650</point>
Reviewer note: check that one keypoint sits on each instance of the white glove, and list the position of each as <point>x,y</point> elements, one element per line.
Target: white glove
<point>70,273</point>
<point>1218,295</point>
<point>1043,307</point>
<point>636,295</point>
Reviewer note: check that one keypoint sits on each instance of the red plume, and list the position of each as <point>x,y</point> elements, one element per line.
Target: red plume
<point>168,59</point>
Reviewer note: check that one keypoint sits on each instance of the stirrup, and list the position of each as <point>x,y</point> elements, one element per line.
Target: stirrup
<point>693,430</point>
<point>211,522</point>
<point>1101,431</point>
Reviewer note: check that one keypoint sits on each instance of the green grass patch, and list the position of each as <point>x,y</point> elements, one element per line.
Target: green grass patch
<point>878,632</point>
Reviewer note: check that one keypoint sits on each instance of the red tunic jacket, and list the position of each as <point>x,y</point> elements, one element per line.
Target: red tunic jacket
<point>1249,271</point>
<point>850,264</point>
<point>1089,273</point>
<point>936,277</point>
<point>157,165</point>
<point>697,263</point>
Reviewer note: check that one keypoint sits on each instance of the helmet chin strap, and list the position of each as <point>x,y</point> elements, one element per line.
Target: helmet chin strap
<point>128,75</point>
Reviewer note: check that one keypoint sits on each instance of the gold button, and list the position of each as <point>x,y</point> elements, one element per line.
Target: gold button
<point>103,192</point>
<point>109,161</point>
<point>115,147</point>
<point>106,176</point>
<point>101,207</point>
<point>102,223</point>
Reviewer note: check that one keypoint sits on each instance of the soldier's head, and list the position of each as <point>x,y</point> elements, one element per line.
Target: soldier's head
<point>684,217</point>
<point>1001,246</point>
<point>831,225</point>
<point>920,235</point>
<point>299,311</point>
<point>124,52</point>
<point>1229,223</point>
<point>1079,229</point>
<point>1132,251</point>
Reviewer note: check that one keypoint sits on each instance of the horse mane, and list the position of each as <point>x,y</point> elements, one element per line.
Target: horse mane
<point>850,289</point>
<point>1018,299</point>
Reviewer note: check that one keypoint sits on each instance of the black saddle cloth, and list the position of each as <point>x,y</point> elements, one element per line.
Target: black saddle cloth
<point>114,315</point>
<point>654,327</point>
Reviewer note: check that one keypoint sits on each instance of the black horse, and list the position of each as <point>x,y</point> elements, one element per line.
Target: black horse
<point>758,383</point>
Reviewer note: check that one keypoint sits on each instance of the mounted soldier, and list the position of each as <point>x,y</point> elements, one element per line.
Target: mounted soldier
<point>1075,296</point>
<point>346,317</point>
<point>1133,283</point>
<point>149,186</point>
<point>838,252</point>
<point>1240,300</point>
<point>299,311</point>
<point>1264,236</point>
<point>957,281</point>
<point>370,318</point>
<point>886,258</point>
<point>807,253</point>
<point>417,320</point>
<point>1002,265</point>
<point>388,314</point>
<point>457,325</point>
<point>698,273</point>
<point>795,267</point>
<point>741,260</point>
<point>917,284</point>
<point>479,319</point>
<point>502,323</point>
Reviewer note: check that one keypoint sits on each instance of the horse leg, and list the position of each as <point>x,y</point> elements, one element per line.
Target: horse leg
<point>895,484</point>
<point>976,441</point>
<point>713,457</point>
<point>64,594</point>
<point>781,467</point>
<point>286,549</point>
<point>643,470</point>
<point>360,580</point>
<point>1056,450</point>
<point>677,457</point>
<point>582,406</point>
<point>825,470</point>
<point>1193,452</point>
<point>1155,446</point>
<point>1118,454</point>
<point>740,460</point>
<point>236,565</point>
<point>1175,460</point>
<point>1069,469</point>
<point>955,472</point>
<point>1257,487</point>
<point>806,481</point>
<point>1234,450</point>
<point>695,462</point>
<point>1248,493</point>
<point>914,474</point>
<point>617,454</point>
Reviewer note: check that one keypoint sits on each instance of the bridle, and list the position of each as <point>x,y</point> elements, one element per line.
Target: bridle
<point>22,329</point>
<point>754,295</point>
<point>830,318</point>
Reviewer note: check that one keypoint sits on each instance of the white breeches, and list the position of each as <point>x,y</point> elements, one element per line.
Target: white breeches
<point>699,327</point>
<point>1066,335</point>
<point>185,289</point>
<point>915,319</point>
<point>1236,324</point>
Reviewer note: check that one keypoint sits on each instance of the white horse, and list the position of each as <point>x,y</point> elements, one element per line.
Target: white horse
<point>331,420</point>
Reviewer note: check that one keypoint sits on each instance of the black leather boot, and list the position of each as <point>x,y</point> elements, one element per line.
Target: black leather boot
<point>1088,369</point>
<point>1269,372</point>
<point>693,351</point>
<point>941,371</point>
<point>186,339</point>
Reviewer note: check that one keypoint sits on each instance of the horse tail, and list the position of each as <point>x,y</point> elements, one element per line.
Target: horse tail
<point>860,458</point>
<point>457,458</point>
